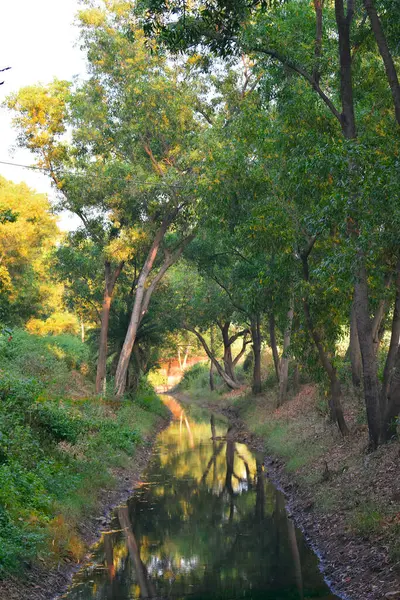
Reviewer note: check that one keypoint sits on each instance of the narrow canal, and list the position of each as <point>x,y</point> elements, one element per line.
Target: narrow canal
<point>204,524</point>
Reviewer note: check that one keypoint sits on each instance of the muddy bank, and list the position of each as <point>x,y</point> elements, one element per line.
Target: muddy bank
<point>355,567</point>
<point>42,583</point>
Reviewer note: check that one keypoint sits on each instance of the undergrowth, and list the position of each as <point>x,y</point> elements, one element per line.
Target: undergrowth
<point>57,453</point>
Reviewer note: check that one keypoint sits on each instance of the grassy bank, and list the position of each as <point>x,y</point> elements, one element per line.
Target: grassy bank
<point>357,492</point>
<point>60,447</point>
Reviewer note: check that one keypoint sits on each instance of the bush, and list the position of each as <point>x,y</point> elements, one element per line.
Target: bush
<point>148,400</point>
<point>59,422</point>
<point>48,358</point>
<point>198,376</point>
<point>55,456</point>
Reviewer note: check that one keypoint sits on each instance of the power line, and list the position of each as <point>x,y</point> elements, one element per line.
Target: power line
<point>11,164</point>
<point>44,170</point>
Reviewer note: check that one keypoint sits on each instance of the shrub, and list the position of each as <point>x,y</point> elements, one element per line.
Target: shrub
<point>59,422</point>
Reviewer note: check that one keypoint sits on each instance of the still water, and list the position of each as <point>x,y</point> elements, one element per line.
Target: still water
<point>205,523</point>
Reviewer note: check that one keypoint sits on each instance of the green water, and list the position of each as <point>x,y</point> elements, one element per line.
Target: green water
<point>205,523</point>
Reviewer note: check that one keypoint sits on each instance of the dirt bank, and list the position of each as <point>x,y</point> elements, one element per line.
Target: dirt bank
<point>42,583</point>
<point>345,501</point>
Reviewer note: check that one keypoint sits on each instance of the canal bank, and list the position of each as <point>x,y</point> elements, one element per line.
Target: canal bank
<point>204,523</point>
<point>41,580</point>
<point>330,484</point>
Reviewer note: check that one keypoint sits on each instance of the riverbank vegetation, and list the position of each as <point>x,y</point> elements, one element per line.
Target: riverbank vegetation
<point>60,447</point>
<point>235,171</point>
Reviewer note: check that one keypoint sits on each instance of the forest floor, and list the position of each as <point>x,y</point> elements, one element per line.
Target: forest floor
<point>345,500</point>
<point>42,582</point>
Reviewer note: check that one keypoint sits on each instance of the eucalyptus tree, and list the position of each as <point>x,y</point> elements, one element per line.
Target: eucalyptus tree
<point>147,117</point>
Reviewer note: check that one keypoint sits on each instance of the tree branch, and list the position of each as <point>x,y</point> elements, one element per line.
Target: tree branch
<point>300,71</point>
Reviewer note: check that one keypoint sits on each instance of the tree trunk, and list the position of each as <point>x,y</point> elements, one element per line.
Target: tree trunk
<point>389,405</point>
<point>296,378</point>
<point>393,403</point>
<point>211,377</point>
<point>82,331</point>
<point>110,279</point>
<point>369,362</point>
<point>355,352</point>
<point>228,360</point>
<point>335,388</point>
<point>179,358</point>
<point>137,313</point>
<point>102,358</point>
<point>383,47</point>
<point>256,339</point>
<point>242,351</point>
<point>142,299</point>
<point>274,347</point>
<point>361,301</point>
<point>284,366</point>
<point>187,350</point>
<point>233,385</point>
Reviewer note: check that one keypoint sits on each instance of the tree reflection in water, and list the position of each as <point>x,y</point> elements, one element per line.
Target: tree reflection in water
<point>208,524</point>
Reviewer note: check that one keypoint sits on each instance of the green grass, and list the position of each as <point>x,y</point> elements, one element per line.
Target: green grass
<point>367,520</point>
<point>57,453</point>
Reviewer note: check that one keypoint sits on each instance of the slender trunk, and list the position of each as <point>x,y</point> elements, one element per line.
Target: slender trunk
<point>187,350</point>
<point>102,358</point>
<point>233,385</point>
<point>284,368</point>
<point>343,21</point>
<point>361,301</point>
<point>256,339</point>
<point>389,406</point>
<point>355,352</point>
<point>143,296</point>
<point>211,377</point>
<point>274,347</point>
<point>179,358</point>
<point>109,285</point>
<point>228,360</point>
<point>369,362</point>
<point>393,403</point>
<point>137,313</point>
<point>82,331</point>
<point>378,322</point>
<point>385,53</point>
<point>335,388</point>
<point>296,378</point>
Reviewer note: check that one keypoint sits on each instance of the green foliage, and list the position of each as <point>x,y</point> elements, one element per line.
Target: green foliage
<point>51,447</point>
<point>58,422</point>
<point>147,399</point>
<point>368,520</point>
<point>45,358</point>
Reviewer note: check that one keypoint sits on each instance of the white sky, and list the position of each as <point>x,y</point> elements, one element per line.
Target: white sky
<point>39,41</point>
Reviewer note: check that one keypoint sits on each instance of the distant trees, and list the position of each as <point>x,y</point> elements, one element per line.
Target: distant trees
<point>28,232</point>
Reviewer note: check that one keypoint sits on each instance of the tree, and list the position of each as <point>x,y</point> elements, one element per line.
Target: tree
<point>268,34</point>
<point>28,233</point>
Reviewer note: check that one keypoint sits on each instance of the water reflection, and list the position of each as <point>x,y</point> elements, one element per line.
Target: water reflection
<point>204,524</point>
